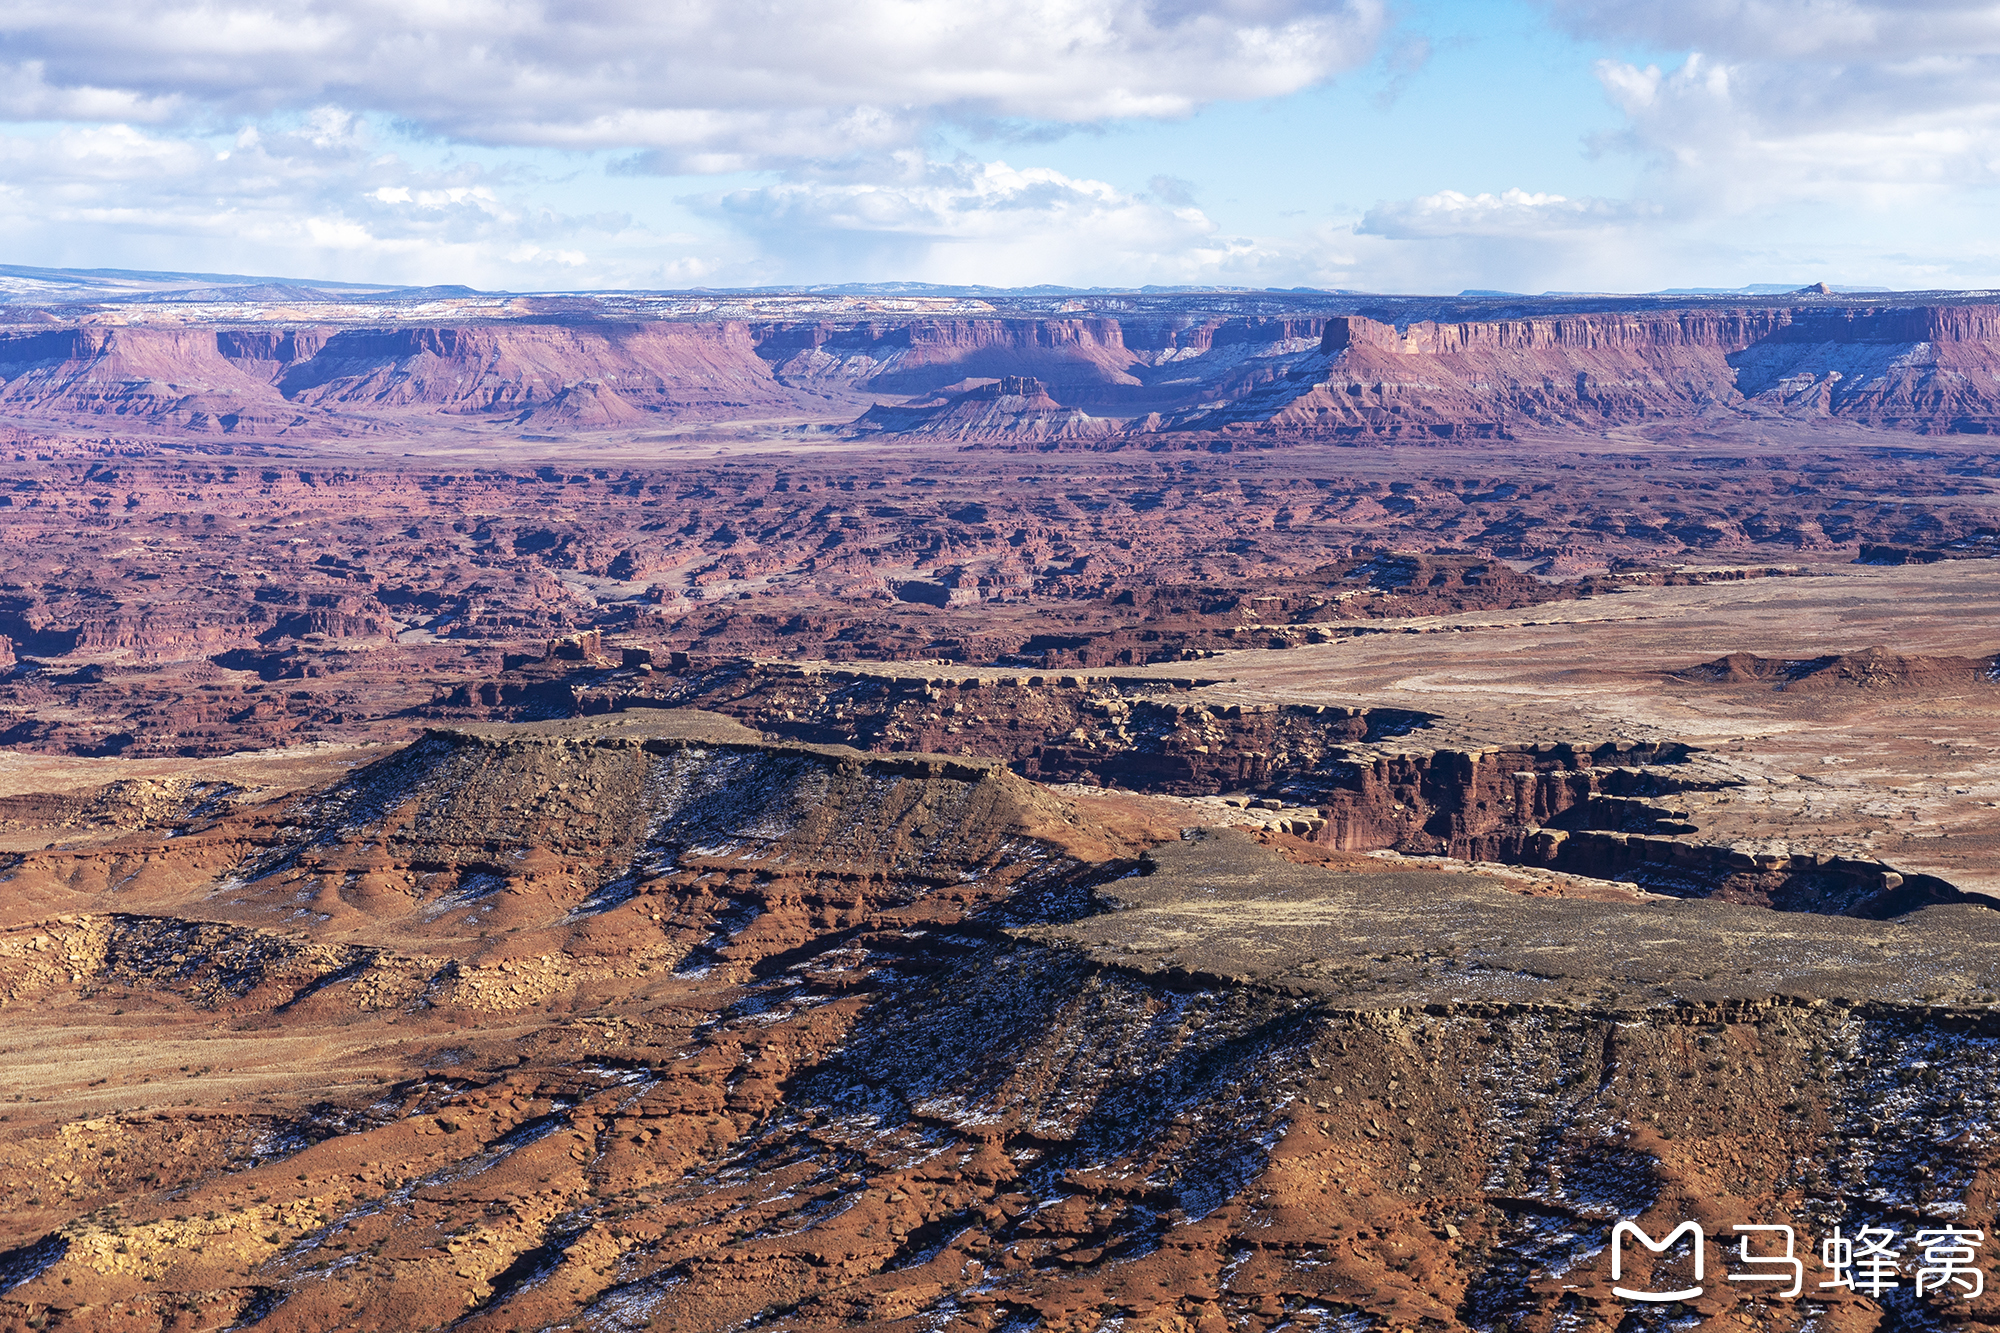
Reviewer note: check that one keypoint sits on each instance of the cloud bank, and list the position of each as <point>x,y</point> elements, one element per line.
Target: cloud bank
<point>1782,100</point>
<point>1854,140</point>
<point>836,106</point>
<point>702,85</point>
<point>612,142</point>
<point>1510,213</point>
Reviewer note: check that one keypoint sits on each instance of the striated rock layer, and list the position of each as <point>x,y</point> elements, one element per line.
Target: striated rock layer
<point>1105,370</point>
<point>1929,369</point>
<point>1013,407</point>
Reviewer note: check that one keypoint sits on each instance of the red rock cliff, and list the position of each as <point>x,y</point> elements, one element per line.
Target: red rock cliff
<point>1925,368</point>
<point>1928,368</point>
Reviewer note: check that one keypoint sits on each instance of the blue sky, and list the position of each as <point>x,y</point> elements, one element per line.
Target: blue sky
<point>1500,100</point>
<point>520,144</point>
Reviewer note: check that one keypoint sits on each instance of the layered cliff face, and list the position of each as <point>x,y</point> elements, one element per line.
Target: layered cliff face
<point>1921,367</point>
<point>1930,369</point>
<point>1011,408</point>
<point>1122,367</point>
<point>249,381</point>
<point>1349,779</point>
<point>676,370</point>
<point>1918,369</point>
<point>597,375</point>
<point>181,376</point>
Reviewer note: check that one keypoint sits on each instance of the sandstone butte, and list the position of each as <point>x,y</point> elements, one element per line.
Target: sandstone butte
<point>1176,812</point>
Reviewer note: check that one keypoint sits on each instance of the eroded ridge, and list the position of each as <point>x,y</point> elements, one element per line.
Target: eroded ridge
<point>1350,778</point>
<point>1015,1071</point>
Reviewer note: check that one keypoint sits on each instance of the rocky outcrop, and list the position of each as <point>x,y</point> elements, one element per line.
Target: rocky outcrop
<point>126,804</point>
<point>1618,811</point>
<point>1874,668</point>
<point>1013,407</point>
<point>480,829</point>
<point>584,405</point>
<point>1143,732</point>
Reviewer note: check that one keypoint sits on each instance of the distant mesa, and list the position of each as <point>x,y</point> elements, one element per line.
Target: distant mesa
<point>272,360</point>
<point>585,405</point>
<point>1872,668</point>
<point>1980,544</point>
<point>1013,407</point>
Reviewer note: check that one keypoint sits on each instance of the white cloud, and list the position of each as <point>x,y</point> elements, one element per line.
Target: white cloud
<point>1793,100</point>
<point>26,94</point>
<point>1518,240</point>
<point>1835,31</point>
<point>1775,139</point>
<point>968,221</point>
<point>1511,213</point>
<point>700,85</point>
<point>319,202</point>
<point>839,102</point>
<point>241,134</point>
<point>1747,135</point>
<point>1781,140</point>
